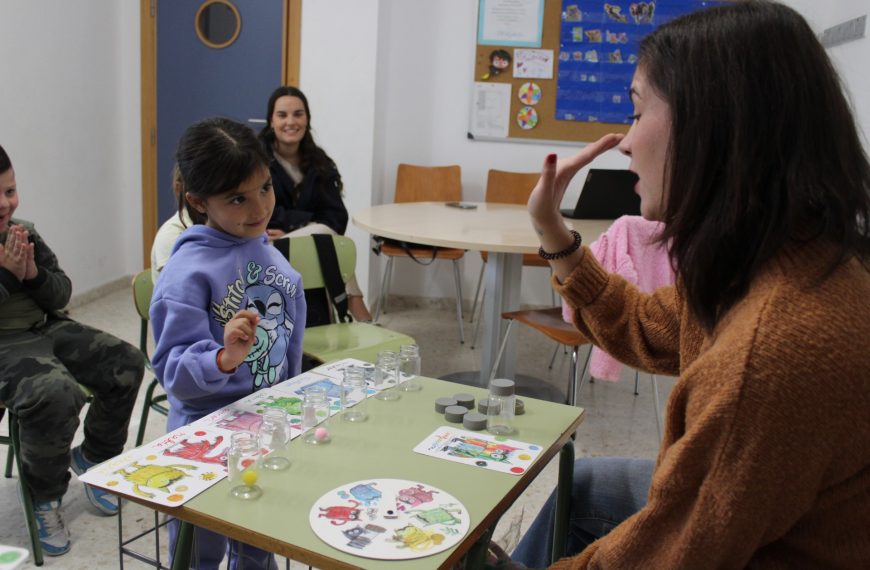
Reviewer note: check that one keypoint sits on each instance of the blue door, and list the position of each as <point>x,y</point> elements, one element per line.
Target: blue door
<point>196,80</point>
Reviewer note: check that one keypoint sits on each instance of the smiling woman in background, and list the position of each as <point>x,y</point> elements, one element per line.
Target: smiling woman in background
<point>307,184</point>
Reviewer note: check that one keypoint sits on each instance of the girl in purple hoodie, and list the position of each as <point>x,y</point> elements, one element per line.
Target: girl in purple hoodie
<point>228,311</point>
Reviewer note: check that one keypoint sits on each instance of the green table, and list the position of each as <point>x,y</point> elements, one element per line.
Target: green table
<point>381,447</point>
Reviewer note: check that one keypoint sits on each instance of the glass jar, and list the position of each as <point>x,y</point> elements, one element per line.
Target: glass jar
<point>275,438</point>
<point>409,368</point>
<point>387,375</point>
<point>500,408</point>
<point>315,415</point>
<point>354,391</point>
<point>243,465</point>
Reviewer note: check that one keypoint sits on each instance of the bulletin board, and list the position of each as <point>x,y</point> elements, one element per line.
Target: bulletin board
<point>560,70</point>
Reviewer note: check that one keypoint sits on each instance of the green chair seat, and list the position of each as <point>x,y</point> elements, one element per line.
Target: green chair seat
<point>328,343</point>
<point>364,341</point>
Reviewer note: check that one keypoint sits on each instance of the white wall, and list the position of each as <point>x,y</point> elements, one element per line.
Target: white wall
<point>850,58</point>
<point>69,120</point>
<point>337,73</point>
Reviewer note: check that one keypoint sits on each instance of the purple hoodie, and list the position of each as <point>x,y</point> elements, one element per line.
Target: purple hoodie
<point>210,276</point>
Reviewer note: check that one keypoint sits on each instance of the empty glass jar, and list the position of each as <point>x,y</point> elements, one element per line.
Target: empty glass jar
<point>500,408</point>
<point>409,368</point>
<point>353,395</point>
<point>387,375</point>
<point>275,439</point>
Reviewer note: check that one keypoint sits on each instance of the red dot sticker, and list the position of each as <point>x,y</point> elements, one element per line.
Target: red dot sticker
<point>517,470</point>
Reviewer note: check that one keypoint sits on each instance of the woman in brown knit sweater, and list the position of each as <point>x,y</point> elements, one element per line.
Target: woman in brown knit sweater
<point>746,148</point>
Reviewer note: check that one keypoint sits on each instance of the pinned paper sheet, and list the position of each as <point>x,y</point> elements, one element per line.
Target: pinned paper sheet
<point>490,110</point>
<point>533,63</point>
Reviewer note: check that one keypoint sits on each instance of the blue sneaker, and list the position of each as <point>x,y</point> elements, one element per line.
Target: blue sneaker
<point>52,532</point>
<point>105,502</point>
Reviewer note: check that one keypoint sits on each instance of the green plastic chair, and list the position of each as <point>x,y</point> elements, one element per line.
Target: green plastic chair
<point>143,287</point>
<point>328,343</point>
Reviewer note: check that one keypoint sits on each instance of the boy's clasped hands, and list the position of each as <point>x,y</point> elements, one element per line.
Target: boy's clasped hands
<point>17,255</point>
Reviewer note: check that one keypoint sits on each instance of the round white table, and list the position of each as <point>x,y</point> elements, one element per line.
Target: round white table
<point>504,230</point>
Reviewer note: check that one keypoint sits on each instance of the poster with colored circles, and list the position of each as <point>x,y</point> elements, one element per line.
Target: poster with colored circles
<point>480,450</point>
<point>168,471</point>
<point>527,118</point>
<point>389,519</point>
<point>529,93</point>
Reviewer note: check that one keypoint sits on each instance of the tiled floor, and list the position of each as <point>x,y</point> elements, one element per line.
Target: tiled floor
<point>617,423</point>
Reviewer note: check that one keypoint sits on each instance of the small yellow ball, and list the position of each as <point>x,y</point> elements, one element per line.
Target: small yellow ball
<point>249,477</point>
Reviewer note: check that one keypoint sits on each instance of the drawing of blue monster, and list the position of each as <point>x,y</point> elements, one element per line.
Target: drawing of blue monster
<point>365,493</point>
<point>268,356</point>
<point>333,390</point>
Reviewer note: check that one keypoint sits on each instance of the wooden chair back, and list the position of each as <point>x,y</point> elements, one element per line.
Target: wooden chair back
<point>428,183</point>
<point>503,187</point>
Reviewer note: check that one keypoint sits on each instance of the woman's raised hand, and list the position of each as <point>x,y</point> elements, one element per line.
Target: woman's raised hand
<point>547,195</point>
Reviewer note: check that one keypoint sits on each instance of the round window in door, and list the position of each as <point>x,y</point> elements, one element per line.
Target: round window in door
<point>218,23</point>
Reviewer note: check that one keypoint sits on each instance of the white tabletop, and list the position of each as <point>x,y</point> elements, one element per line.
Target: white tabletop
<point>504,228</point>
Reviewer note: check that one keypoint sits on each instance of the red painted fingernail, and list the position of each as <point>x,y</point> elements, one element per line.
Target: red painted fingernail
<point>551,158</point>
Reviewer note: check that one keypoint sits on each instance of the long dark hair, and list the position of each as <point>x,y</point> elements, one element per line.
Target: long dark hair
<point>215,156</point>
<point>5,161</point>
<point>764,150</point>
<point>311,156</point>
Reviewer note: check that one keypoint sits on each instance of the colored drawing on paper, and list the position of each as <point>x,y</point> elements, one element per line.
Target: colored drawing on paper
<point>202,451</point>
<point>480,450</point>
<point>389,519</point>
<point>170,470</point>
<point>527,118</point>
<point>529,93</point>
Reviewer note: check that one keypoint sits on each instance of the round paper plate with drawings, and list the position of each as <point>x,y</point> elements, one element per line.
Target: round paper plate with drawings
<point>389,519</point>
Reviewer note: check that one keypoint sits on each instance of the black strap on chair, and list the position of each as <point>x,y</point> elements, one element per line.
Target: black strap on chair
<point>335,288</point>
<point>332,274</point>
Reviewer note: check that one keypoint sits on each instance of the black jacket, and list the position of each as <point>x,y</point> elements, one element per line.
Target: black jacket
<point>316,199</point>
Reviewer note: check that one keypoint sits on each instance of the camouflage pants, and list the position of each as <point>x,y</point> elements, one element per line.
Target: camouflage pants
<point>40,370</point>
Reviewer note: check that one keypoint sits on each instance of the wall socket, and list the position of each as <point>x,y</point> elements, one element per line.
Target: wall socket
<point>845,32</point>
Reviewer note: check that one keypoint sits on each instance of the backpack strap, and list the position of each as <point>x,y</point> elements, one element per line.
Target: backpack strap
<point>332,274</point>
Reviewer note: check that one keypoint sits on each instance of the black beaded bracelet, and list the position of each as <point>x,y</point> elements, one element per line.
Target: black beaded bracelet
<point>565,252</point>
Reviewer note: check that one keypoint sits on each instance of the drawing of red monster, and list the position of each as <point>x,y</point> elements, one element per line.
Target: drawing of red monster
<point>340,515</point>
<point>198,451</point>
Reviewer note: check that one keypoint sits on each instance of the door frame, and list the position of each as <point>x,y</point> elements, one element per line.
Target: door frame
<point>291,31</point>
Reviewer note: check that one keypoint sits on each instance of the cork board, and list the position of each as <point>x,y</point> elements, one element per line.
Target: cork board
<point>547,127</point>
<point>595,45</point>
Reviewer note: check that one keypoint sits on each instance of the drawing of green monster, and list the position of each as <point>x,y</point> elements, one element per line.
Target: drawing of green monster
<point>158,477</point>
<point>291,404</point>
<point>438,515</point>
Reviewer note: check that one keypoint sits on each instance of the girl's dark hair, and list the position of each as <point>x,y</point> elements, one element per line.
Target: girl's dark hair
<point>216,156</point>
<point>5,162</point>
<point>764,149</point>
<point>311,156</point>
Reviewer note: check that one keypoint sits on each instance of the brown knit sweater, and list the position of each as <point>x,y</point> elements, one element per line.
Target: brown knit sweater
<point>765,460</point>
